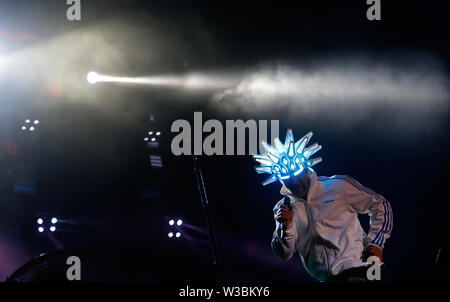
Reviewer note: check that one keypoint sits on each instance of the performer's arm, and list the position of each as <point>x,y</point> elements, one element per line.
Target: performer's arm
<point>284,246</point>
<point>363,200</point>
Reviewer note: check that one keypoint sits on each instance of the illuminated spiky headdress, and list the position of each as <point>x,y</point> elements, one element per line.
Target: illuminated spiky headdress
<point>286,160</point>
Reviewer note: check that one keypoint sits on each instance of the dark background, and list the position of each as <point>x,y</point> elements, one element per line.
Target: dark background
<point>92,171</point>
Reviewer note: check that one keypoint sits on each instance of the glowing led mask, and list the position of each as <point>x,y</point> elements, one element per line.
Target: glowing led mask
<point>287,160</point>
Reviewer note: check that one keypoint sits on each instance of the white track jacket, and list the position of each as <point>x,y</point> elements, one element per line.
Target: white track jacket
<point>325,230</point>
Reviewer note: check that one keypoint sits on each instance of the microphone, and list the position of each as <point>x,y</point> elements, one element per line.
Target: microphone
<point>284,224</point>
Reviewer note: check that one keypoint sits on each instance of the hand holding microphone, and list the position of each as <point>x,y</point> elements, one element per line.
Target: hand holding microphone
<point>284,216</point>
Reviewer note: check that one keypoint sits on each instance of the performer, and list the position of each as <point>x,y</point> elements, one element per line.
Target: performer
<point>318,218</point>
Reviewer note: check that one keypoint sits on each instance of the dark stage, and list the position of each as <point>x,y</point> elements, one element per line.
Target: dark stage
<point>97,152</point>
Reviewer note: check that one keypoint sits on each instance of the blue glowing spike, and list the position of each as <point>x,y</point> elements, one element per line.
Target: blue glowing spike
<point>273,157</point>
<point>265,162</point>
<point>269,148</point>
<point>261,156</point>
<point>280,147</point>
<point>301,143</point>
<point>311,150</point>
<point>289,138</point>
<point>291,149</point>
<point>315,161</point>
<point>298,171</point>
<point>286,160</point>
<point>263,169</point>
<point>269,180</point>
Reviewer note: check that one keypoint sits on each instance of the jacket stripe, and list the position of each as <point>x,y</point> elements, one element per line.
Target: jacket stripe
<point>389,226</point>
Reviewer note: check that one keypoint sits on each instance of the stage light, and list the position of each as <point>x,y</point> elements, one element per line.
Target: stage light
<point>30,125</point>
<point>52,229</point>
<point>150,133</point>
<point>145,139</point>
<point>156,161</point>
<point>153,139</point>
<point>170,235</point>
<point>153,144</point>
<point>158,133</point>
<point>93,77</point>
<point>40,229</point>
<point>54,220</point>
<point>171,222</point>
<point>178,235</point>
<point>179,222</point>
<point>40,221</point>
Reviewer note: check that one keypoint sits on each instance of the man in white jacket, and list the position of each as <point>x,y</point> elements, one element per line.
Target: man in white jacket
<point>318,219</point>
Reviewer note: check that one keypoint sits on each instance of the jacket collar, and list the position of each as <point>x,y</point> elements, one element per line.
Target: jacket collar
<point>313,183</point>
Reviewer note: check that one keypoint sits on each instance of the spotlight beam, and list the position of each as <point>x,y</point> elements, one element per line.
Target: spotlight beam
<point>190,81</point>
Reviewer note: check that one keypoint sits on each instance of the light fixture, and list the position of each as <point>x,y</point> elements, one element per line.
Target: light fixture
<point>93,77</point>
<point>30,125</point>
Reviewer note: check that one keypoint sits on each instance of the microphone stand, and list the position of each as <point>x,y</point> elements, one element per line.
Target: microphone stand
<point>217,262</point>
